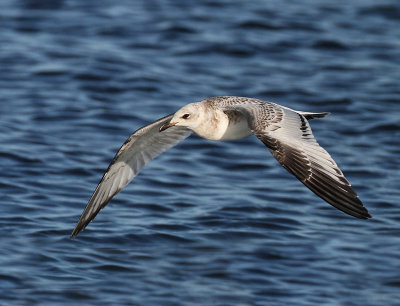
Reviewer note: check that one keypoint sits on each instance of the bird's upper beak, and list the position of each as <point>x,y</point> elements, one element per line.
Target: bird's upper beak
<point>166,125</point>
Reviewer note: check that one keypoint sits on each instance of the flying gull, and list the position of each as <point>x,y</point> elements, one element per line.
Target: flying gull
<point>284,131</point>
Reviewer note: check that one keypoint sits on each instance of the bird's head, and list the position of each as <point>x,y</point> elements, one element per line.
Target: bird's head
<point>187,116</point>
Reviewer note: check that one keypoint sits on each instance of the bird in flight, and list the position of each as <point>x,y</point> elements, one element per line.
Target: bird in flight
<point>284,131</point>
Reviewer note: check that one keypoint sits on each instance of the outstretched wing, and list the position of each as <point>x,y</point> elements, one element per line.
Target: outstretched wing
<point>137,151</point>
<point>288,136</point>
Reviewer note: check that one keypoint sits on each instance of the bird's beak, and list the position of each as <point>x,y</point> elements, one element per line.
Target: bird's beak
<point>166,126</point>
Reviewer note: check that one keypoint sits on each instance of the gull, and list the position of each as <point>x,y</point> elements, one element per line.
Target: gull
<point>284,131</point>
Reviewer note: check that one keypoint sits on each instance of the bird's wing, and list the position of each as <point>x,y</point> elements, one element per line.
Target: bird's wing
<point>137,151</point>
<point>288,136</point>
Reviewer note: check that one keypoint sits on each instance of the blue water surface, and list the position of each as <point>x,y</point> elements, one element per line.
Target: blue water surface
<point>207,223</point>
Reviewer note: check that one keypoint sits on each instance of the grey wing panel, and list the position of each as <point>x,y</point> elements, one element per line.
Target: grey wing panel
<point>137,151</point>
<point>296,149</point>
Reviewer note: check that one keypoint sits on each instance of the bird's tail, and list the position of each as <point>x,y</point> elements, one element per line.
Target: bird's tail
<point>308,115</point>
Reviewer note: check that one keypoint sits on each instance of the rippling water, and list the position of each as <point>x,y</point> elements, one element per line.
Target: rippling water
<point>207,223</point>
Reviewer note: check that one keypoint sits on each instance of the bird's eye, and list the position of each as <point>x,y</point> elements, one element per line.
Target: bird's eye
<point>185,116</point>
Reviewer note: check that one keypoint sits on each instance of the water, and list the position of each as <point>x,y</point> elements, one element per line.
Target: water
<point>207,223</point>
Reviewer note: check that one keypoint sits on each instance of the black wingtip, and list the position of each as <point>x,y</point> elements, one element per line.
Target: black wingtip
<point>73,234</point>
<point>76,231</point>
<point>365,216</point>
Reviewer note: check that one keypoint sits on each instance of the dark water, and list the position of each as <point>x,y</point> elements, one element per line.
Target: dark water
<point>208,223</point>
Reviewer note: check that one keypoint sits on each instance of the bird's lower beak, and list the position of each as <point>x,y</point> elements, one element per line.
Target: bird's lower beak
<point>166,126</point>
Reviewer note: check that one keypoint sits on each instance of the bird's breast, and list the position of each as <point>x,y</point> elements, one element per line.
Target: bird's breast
<point>221,127</point>
<point>235,129</point>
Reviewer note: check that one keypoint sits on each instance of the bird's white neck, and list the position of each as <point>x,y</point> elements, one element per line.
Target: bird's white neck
<point>216,125</point>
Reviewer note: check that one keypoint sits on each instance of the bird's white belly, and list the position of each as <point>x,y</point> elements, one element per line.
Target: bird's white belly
<point>235,130</point>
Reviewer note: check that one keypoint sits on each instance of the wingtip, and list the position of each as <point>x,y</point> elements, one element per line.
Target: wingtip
<point>364,214</point>
<point>73,234</point>
<point>364,217</point>
<point>76,231</point>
